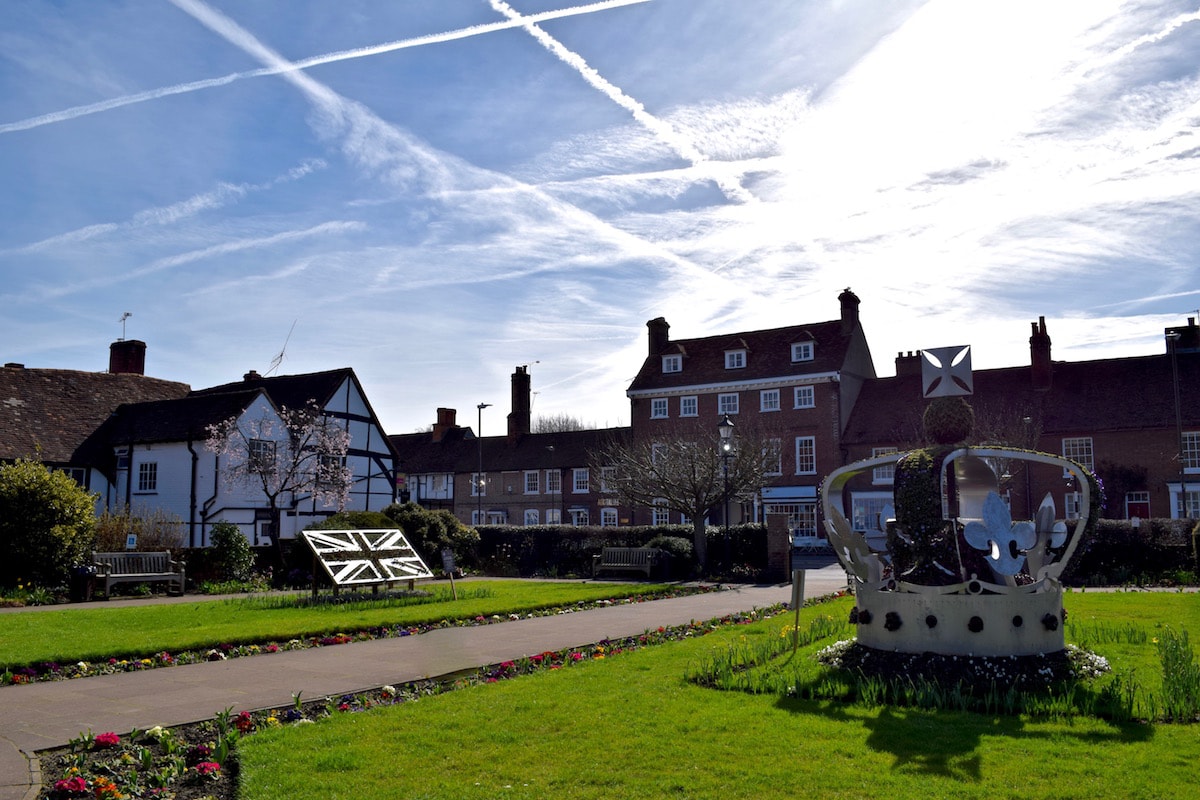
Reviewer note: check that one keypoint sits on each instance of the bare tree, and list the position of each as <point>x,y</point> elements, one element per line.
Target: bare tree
<point>295,452</point>
<point>558,423</point>
<point>682,470</point>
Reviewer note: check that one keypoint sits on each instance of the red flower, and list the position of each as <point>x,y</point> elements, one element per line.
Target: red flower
<point>75,785</point>
<point>208,768</point>
<point>243,722</point>
<point>107,739</point>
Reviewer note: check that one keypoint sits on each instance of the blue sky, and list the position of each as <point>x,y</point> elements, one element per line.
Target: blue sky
<point>435,191</point>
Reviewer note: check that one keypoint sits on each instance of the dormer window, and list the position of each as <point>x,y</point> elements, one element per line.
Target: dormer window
<point>735,359</point>
<point>802,351</point>
<point>672,363</point>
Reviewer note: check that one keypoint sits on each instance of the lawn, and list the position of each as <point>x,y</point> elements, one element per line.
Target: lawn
<point>69,635</point>
<point>633,725</point>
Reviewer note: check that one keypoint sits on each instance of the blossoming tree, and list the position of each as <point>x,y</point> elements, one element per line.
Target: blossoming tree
<point>287,454</point>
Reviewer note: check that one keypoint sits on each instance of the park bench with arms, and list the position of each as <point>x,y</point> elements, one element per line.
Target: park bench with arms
<point>137,567</point>
<point>629,559</point>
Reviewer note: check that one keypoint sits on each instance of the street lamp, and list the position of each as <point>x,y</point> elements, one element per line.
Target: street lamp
<point>479,475</point>
<point>725,429</point>
<point>1173,345</point>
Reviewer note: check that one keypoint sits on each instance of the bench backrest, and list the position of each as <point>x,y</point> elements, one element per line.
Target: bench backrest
<point>135,563</point>
<point>633,556</point>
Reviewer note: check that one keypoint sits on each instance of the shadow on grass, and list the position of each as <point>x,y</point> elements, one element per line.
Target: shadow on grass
<point>947,743</point>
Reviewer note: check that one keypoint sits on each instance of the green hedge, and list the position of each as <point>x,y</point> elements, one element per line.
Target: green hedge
<point>1159,551</point>
<point>554,551</point>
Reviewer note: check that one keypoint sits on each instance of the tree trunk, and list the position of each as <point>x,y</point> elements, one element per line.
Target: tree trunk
<point>700,541</point>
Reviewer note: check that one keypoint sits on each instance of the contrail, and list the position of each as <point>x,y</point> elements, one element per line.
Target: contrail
<point>314,61</point>
<point>663,130</point>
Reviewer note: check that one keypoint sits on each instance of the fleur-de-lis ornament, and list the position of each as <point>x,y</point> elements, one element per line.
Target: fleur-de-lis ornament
<point>1004,543</point>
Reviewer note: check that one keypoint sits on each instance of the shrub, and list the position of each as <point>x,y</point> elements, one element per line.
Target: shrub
<point>231,556</point>
<point>47,524</point>
<point>352,520</point>
<point>155,530</point>
<point>681,550</point>
<point>431,531</point>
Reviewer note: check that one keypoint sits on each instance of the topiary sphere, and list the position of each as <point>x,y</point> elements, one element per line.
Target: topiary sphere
<point>948,420</point>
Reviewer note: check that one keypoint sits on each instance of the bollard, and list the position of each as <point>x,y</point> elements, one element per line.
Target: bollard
<point>797,603</point>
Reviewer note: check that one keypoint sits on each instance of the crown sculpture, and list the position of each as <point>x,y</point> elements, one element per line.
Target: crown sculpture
<point>955,575</point>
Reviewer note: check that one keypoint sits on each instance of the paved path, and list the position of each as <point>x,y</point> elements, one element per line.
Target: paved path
<point>43,715</point>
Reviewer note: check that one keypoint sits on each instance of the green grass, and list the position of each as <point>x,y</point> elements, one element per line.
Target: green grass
<point>633,726</point>
<point>73,634</point>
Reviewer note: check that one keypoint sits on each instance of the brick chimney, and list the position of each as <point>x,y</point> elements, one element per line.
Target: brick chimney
<point>127,357</point>
<point>1189,337</point>
<point>908,363</point>
<point>849,301</point>
<point>519,420</point>
<point>251,376</point>
<point>660,335</point>
<point>447,418</point>
<point>1041,369</point>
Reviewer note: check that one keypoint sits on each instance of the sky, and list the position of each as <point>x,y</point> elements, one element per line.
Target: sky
<point>434,192</point>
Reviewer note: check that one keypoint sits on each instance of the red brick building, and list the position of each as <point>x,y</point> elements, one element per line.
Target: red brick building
<point>797,384</point>
<point>1117,417</point>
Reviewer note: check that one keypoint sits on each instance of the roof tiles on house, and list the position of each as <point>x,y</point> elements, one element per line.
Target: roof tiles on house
<point>50,413</point>
<point>768,355</point>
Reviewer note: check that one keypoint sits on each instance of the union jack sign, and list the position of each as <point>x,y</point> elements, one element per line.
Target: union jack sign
<point>353,558</point>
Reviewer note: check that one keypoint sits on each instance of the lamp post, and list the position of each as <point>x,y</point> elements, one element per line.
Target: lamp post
<point>479,482</point>
<point>725,429</point>
<point>1173,345</point>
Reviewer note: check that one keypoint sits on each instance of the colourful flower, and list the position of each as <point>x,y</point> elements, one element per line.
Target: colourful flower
<point>107,739</point>
<point>208,768</point>
<point>75,785</point>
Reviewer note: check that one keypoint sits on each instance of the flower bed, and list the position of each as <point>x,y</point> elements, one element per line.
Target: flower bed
<point>198,762</point>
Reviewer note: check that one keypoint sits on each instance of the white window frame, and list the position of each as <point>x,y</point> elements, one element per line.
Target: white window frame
<point>580,517</point>
<point>804,397</point>
<point>553,481</point>
<point>672,363</point>
<point>728,402</point>
<point>865,508</point>
<point>147,477</point>
<point>532,517</point>
<point>1190,452</point>
<point>1071,503</point>
<point>806,455</point>
<point>659,408</point>
<point>735,359</point>
<point>802,351</point>
<point>554,516</point>
<point>689,406</point>
<point>883,475</point>
<point>580,480</point>
<point>661,514</point>
<point>608,517</point>
<point>608,476</point>
<point>768,400</point>
<point>1080,449</point>
<point>478,484</point>
<point>532,482</point>
<point>261,454</point>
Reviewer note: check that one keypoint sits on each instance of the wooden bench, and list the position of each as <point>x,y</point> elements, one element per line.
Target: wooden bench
<point>135,567</point>
<point>630,559</point>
